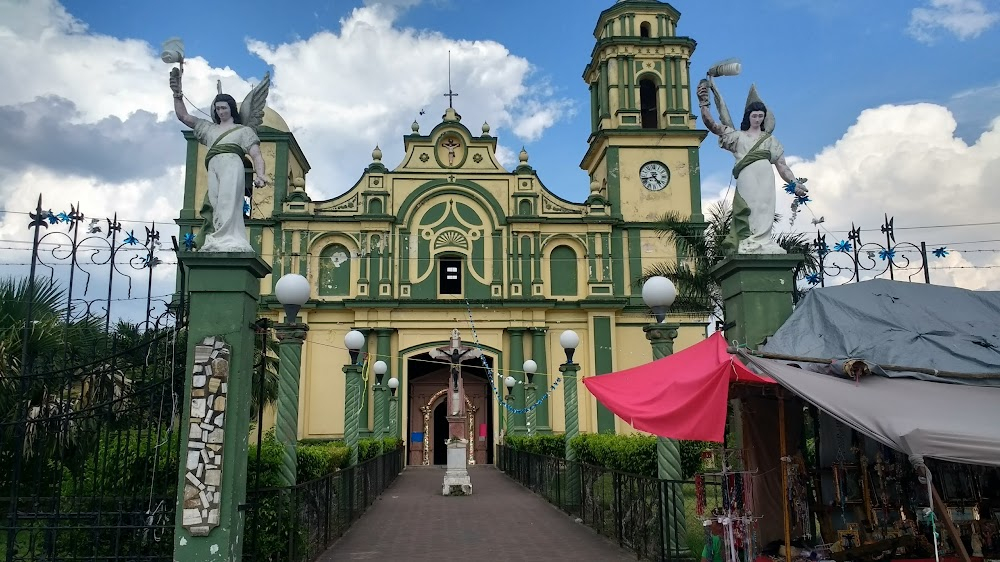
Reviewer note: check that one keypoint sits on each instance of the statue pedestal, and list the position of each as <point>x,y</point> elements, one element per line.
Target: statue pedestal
<point>456,476</point>
<point>757,294</point>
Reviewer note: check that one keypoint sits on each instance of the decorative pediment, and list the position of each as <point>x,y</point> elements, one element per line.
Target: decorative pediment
<point>450,147</point>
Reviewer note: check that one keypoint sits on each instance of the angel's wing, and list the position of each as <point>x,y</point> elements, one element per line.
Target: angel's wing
<point>769,120</point>
<point>252,108</point>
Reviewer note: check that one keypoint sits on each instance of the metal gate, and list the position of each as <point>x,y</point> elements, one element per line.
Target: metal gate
<point>91,376</point>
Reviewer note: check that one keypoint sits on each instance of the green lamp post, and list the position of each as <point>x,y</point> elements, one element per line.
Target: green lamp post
<point>292,291</point>
<point>381,421</point>
<point>354,340</point>
<point>530,393</point>
<point>509,382</point>
<point>393,406</point>
<point>569,340</point>
<point>659,293</point>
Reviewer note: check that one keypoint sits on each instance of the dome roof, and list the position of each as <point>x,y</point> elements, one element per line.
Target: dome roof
<point>274,121</point>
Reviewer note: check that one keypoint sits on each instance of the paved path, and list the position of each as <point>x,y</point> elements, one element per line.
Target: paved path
<point>501,521</point>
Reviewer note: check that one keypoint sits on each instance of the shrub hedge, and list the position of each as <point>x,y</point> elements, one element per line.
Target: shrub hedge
<point>633,453</point>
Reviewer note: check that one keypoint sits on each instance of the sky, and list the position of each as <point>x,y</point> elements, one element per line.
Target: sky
<point>890,108</point>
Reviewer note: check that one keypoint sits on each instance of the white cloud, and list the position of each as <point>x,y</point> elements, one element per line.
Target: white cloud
<point>966,19</point>
<point>343,93</point>
<point>905,161</point>
<point>507,156</point>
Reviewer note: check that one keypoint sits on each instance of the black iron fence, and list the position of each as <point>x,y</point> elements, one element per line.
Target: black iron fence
<point>627,508</point>
<point>88,400</point>
<point>298,523</point>
<point>853,259</point>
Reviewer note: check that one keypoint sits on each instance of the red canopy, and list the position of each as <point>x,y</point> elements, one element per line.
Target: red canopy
<point>682,396</point>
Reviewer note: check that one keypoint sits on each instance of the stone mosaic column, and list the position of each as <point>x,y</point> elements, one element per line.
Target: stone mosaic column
<point>224,290</point>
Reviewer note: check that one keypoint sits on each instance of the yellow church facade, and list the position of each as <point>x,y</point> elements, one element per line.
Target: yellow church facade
<point>447,238</point>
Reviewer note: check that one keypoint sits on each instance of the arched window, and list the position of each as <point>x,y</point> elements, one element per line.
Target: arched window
<point>375,207</point>
<point>563,271</point>
<point>647,103</point>
<point>524,208</point>
<point>644,29</point>
<point>335,271</point>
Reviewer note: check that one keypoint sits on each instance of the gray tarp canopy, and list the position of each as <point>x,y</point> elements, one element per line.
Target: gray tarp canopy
<point>951,422</point>
<point>893,322</point>
<point>917,325</point>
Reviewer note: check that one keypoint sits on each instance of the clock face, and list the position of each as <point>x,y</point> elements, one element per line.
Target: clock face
<point>654,176</point>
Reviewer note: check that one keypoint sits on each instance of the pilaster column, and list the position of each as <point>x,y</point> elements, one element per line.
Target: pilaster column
<point>382,352</point>
<point>514,367</point>
<point>541,376</point>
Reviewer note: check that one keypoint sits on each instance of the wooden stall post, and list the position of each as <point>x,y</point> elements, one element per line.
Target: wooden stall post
<point>784,476</point>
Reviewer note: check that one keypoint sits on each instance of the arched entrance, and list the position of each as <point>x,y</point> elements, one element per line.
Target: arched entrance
<point>427,385</point>
<point>435,428</point>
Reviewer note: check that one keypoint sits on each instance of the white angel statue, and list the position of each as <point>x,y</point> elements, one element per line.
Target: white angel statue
<point>755,151</point>
<point>230,137</point>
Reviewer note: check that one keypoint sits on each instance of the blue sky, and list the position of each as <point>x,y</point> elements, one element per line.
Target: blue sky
<point>888,106</point>
<point>818,64</point>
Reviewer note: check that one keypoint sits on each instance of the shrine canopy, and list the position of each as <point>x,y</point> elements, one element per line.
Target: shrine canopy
<point>951,422</point>
<point>682,396</point>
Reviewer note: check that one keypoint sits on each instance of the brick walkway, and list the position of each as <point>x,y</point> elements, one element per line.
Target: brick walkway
<point>500,521</point>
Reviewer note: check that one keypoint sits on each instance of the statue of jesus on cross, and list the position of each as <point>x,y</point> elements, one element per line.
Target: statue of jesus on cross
<point>455,354</point>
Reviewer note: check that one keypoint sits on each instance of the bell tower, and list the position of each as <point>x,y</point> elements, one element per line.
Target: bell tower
<point>643,147</point>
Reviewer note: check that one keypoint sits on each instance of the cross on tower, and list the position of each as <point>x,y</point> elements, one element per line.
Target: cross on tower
<point>450,95</point>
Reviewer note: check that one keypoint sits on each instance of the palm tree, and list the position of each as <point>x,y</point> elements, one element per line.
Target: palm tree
<point>265,359</point>
<point>700,248</point>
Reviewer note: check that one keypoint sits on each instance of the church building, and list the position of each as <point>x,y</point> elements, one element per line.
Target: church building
<point>447,239</point>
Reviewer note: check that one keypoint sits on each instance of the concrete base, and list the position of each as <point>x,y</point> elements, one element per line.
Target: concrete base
<point>757,294</point>
<point>456,476</point>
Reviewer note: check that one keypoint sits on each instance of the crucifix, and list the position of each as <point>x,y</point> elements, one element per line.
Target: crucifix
<point>455,354</point>
<point>450,95</point>
<point>451,144</point>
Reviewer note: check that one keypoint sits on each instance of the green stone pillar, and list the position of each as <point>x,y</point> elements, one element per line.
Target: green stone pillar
<point>352,409</point>
<point>569,371</point>
<point>514,367</point>
<point>286,427</point>
<point>756,294</point>
<point>668,459</point>
<point>541,378</point>
<point>224,290</point>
